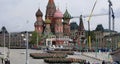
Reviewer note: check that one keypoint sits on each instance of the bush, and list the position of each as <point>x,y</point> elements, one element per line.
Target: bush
<point>64,60</point>
<point>62,52</point>
<point>46,55</point>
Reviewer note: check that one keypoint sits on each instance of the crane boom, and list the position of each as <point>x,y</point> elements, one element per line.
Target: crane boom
<point>85,16</point>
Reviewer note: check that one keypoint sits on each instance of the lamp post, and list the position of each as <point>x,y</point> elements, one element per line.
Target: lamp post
<point>26,40</point>
<point>8,53</point>
<point>109,41</point>
<point>96,47</point>
<point>4,41</point>
<point>27,48</point>
<point>37,40</point>
<point>80,44</point>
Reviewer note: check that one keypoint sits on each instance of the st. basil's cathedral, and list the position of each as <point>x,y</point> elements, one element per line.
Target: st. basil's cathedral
<point>56,27</point>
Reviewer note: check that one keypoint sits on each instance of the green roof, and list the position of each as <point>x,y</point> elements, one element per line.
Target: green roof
<point>73,26</point>
<point>47,21</point>
<point>3,29</point>
<point>99,28</point>
<point>66,15</point>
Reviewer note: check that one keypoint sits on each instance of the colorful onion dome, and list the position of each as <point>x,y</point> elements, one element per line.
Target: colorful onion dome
<point>66,15</point>
<point>48,21</point>
<point>38,23</point>
<point>58,14</point>
<point>39,13</point>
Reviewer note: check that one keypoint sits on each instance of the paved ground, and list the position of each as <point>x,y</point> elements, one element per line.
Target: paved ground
<point>17,56</point>
<point>0,61</point>
<point>91,60</point>
<point>100,55</point>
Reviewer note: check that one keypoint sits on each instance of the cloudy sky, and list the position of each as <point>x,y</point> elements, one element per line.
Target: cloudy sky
<point>14,14</point>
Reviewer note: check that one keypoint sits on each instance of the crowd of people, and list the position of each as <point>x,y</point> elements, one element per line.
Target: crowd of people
<point>103,62</point>
<point>5,61</point>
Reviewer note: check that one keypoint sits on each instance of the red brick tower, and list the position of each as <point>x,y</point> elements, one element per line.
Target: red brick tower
<point>81,29</point>
<point>81,33</point>
<point>39,23</point>
<point>50,10</point>
<point>58,23</point>
<point>66,25</point>
<point>47,30</point>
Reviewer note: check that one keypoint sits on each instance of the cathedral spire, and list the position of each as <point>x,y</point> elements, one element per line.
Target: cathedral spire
<point>39,13</point>
<point>39,22</point>
<point>81,26</point>
<point>51,1</point>
<point>51,8</point>
<point>67,15</point>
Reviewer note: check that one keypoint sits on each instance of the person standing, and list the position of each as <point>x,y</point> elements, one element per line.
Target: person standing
<point>2,60</point>
<point>7,61</point>
<point>88,62</point>
<point>103,62</point>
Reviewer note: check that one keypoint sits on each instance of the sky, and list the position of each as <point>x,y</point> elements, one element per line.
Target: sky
<point>19,15</point>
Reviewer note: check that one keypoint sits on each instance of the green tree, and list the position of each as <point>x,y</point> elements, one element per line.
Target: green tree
<point>34,38</point>
<point>92,34</point>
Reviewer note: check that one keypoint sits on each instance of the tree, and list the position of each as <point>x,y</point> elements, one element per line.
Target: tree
<point>34,38</point>
<point>92,34</point>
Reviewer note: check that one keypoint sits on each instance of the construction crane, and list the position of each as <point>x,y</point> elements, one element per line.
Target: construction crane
<point>113,19</point>
<point>89,17</point>
<point>111,13</point>
<point>85,16</point>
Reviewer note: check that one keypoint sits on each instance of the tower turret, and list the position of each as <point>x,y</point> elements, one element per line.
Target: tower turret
<point>66,25</point>
<point>81,29</point>
<point>66,15</point>
<point>81,26</point>
<point>81,33</point>
<point>58,23</point>
<point>39,23</point>
<point>50,10</point>
<point>39,13</point>
<point>47,29</point>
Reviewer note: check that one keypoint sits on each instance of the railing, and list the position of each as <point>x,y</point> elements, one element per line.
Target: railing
<point>66,39</point>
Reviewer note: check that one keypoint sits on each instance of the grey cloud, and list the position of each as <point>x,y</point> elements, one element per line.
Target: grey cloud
<point>15,12</point>
<point>117,13</point>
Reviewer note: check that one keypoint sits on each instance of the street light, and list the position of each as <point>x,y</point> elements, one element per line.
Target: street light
<point>96,47</point>
<point>8,53</point>
<point>4,42</point>
<point>26,39</point>
<point>109,41</point>
<point>37,40</point>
